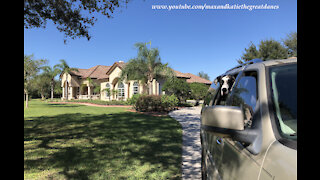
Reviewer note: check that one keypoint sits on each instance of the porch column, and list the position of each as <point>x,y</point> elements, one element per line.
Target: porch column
<point>89,92</point>
<point>63,97</point>
<point>71,93</point>
<point>154,87</point>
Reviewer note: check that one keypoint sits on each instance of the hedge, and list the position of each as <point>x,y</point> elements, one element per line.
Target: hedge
<point>159,103</point>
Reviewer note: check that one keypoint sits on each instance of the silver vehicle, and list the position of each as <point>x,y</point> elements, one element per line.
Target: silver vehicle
<point>252,132</point>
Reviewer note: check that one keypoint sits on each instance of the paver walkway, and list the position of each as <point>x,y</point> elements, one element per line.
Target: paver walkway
<point>189,118</point>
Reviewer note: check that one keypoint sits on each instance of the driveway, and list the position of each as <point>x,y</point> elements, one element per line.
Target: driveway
<point>189,118</point>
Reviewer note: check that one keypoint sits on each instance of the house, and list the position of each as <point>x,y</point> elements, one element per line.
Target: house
<point>80,85</point>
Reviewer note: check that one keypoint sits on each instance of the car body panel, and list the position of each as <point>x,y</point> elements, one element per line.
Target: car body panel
<point>233,161</point>
<point>281,161</point>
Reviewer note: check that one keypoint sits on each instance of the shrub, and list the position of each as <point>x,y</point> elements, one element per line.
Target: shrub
<point>133,99</point>
<point>148,103</point>
<point>169,102</point>
<point>156,103</point>
<point>178,87</point>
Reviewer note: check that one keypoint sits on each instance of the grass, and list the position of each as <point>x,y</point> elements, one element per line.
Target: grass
<point>68,141</point>
<point>100,102</point>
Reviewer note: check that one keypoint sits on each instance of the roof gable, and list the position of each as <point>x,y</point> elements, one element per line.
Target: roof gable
<point>119,64</point>
<point>194,78</point>
<point>97,72</point>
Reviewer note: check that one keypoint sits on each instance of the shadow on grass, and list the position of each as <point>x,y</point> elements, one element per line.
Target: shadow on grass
<point>63,105</point>
<point>118,146</point>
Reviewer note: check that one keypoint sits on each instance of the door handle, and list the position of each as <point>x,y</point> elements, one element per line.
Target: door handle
<point>219,140</point>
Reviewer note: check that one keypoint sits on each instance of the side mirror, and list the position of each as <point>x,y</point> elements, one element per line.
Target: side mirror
<point>222,119</point>
<point>228,121</point>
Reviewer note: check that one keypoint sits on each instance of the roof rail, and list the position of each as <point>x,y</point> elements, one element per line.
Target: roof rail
<point>246,63</point>
<point>253,61</point>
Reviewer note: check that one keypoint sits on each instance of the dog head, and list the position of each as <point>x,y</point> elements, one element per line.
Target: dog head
<point>226,84</point>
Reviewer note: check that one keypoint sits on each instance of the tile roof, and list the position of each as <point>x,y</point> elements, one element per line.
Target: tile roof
<point>98,72</point>
<point>80,72</point>
<point>194,78</point>
<point>101,72</point>
<point>180,74</point>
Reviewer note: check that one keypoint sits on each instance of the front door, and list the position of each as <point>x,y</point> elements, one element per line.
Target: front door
<point>212,145</point>
<point>238,162</point>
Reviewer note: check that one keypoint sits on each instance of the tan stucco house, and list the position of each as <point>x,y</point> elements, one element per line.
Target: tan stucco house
<point>75,85</point>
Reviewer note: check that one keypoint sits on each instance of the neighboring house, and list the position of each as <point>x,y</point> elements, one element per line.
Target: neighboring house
<point>76,85</point>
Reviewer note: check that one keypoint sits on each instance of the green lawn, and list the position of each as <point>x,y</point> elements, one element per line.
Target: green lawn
<point>68,141</point>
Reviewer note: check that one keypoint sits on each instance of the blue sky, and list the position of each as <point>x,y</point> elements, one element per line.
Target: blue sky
<point>189,40</point>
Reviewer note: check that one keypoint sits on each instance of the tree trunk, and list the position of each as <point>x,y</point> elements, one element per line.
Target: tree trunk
<point>42,96</point>
<point>27,97</point>
<point>51,93</point>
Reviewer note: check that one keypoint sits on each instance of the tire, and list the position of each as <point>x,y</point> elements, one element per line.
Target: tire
<point>203,166</point>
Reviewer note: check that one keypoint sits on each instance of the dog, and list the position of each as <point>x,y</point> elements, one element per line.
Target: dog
<point>226,83</point>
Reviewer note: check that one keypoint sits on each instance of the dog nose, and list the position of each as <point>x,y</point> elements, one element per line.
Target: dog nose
<point>224,89</point>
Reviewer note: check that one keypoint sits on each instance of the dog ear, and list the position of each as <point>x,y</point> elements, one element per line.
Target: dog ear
<point>218,79</point>
<point>233,78</point>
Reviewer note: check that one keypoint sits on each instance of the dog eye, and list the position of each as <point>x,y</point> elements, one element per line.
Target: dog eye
<point>222,81</point>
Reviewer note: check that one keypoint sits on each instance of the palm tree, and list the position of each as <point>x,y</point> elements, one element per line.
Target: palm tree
<point>51,73</point>
<point>146,67</point>
<point>65,68</point>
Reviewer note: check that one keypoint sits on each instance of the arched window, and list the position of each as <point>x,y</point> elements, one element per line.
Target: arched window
<point>135,88</point>
<point>121,90</point>
<point>109,90</point>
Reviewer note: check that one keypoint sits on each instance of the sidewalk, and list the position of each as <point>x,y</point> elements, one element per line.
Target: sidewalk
<point>189,118</point>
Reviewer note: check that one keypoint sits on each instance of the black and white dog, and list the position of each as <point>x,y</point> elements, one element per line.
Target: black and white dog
<point>226,84</point>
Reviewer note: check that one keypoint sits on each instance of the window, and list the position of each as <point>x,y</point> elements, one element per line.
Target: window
<point>108,90</point>
<point>209,98</point>
<point>213,96</point>
<point>244,95</point>
<point>121,90</point>
<point>135,88</point>
<point>283,85</point>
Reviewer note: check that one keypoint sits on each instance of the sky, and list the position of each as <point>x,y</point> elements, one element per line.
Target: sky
<point>190,41</point>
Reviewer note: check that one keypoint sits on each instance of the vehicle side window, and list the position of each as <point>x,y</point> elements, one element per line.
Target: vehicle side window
<point>209,98</point>
<point>245,96</point>
<point>219,100</point>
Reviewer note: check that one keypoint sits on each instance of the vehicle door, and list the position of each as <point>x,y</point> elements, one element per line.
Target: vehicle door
<point>237,161</point>
<point>212,145</point>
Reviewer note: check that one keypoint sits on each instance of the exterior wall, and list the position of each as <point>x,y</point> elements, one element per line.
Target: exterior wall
<point>74,83</point>
<point>65,78</point>
<point>160,85</point>
<point>140,88</point>
<point>103,86</point>
<point>115,74</point>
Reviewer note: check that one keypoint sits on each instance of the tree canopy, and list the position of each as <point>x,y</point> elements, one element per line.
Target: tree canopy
<point>73,17</point>
<point>146,66</point>
<point>271,49</point>
<point>178,87</point>
<point>203,75</point>
<point>291,43</point>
